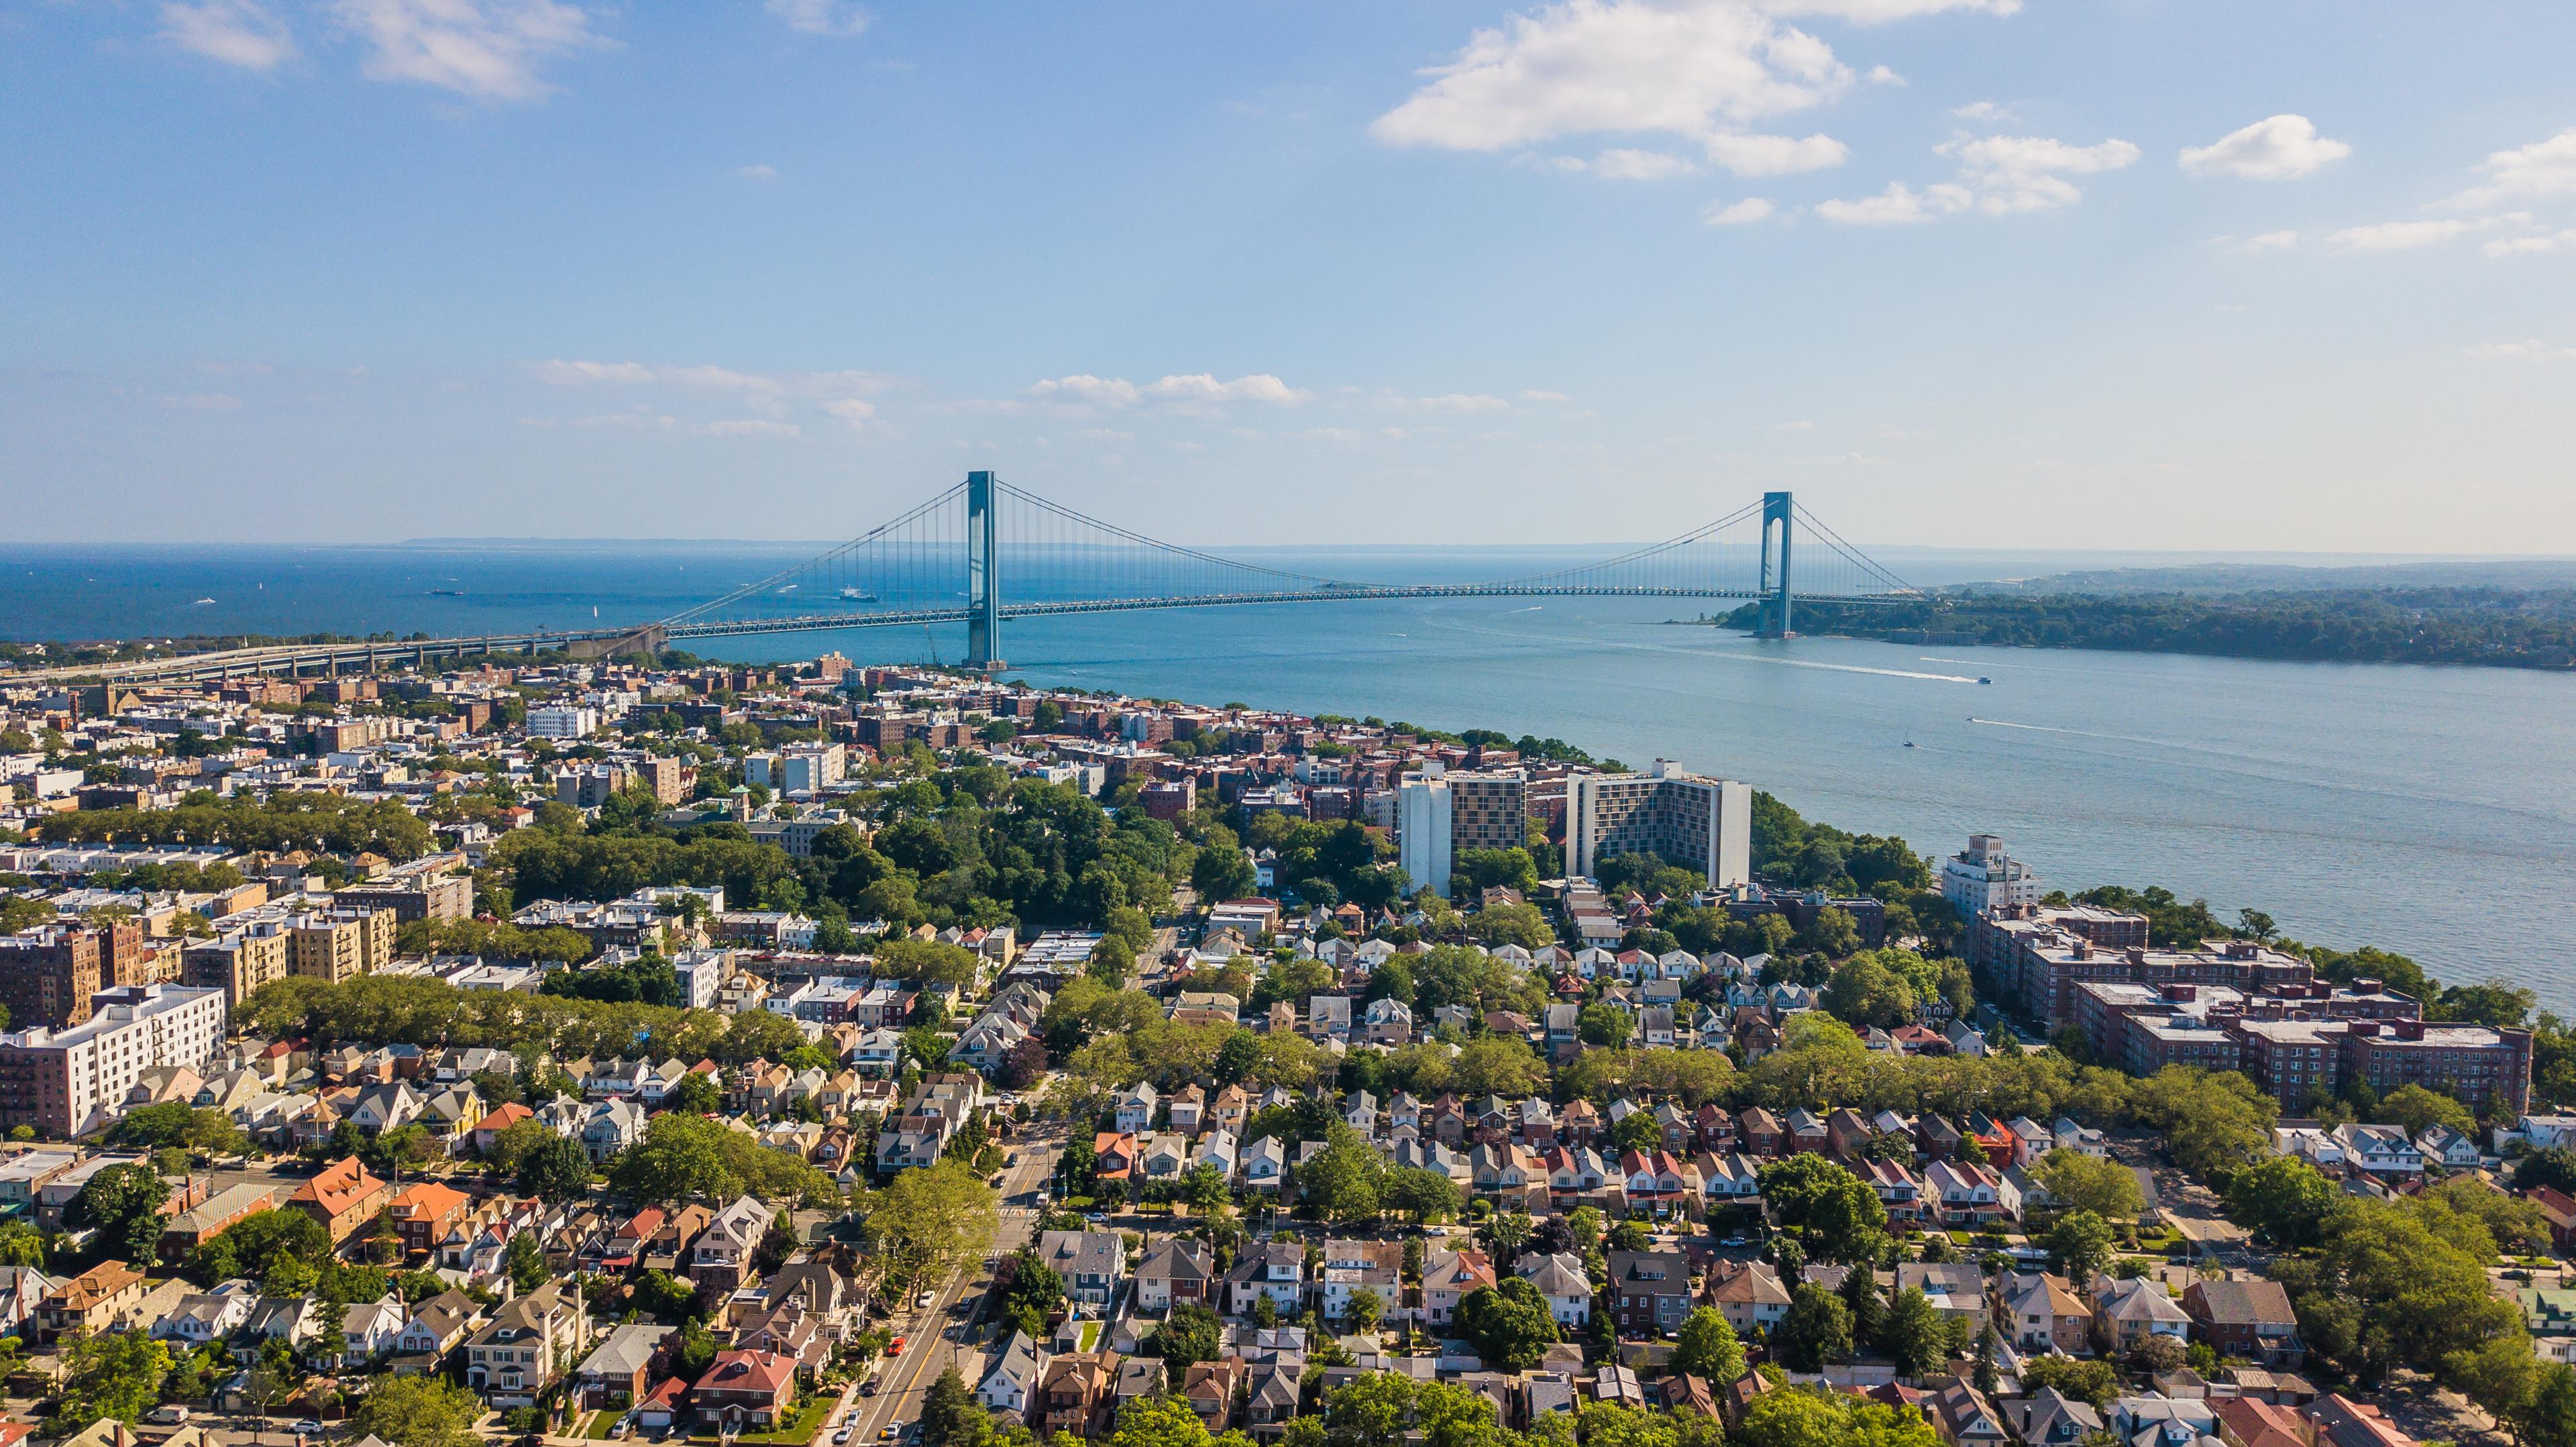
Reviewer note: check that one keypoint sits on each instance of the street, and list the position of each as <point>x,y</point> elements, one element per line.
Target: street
<point>928,1347</point>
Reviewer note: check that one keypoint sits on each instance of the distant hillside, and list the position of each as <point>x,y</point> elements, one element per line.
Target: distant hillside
<point>2486,626</point>
<point>2527,574</point>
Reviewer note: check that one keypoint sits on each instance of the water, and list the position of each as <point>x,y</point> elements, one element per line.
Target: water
<point>2428,810</point>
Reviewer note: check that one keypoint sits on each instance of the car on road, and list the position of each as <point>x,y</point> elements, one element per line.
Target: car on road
<point>868,1388</point>
<point>886,1432</point>
<point>895,1348</point>
<point>308,1428</point>
<point>169,1416</point>
<point>923,1301</point>
<point>843,1435</point>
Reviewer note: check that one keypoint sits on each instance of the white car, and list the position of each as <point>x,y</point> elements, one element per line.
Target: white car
<point>169,1416</point>
<point>923,1301</point>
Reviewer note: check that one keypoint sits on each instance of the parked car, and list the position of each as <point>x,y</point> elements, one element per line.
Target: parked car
<point>923,1301</point>
<point>895,1348</point>
<point>308,1428</point>
<point>169,1416</point>
<point>868,1388</point>
<point>843,1435</point>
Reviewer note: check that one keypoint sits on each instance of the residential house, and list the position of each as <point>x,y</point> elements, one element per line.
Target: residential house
<point>1562,1280</point>
<point>721,1259</point>
<point>1011,1383</point>
<point>1955,1288</point>
<point>746,1388</point>
<point>1092,1264</point>
<point>2249,1319</point>
<point>529,1343</point>
<point>1749,1294</point>
<point>1211,1389</point>
<point>2045,1314</point>
<point>618,1370</point>
<point>2125,1311</point>
<point>342,1197</point>
<point>103,1298</point>
<point>1078,1393</point>
<point>1965,1417</point>
<point>1447,1278</point>
<point>1275,1269</point>
<point>1177,1270</point>
<point>1649,1291</point>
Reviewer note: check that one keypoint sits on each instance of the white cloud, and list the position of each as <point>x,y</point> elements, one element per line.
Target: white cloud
<point>563,373</point>
<point>2532,245</point>
<point>757,172</point>
<point>2531,350</point>
<point>1898,205</point>
<point>1195,389</point>
<point>1982,110</point>
<point>1532,394</point>
<point>1881,75</point>
<point>2543,168</point>
<point>1104,434</point>
<point>204,402</point>
<point>2409,235</point>
<point>245,33</point>
<point>2268,241</point>
<point>1748,154</point>
<point>1451,402</point>
<point>488,49</point>
<point>751,427</point>
<point>2276,148</point>
<point>1699,69</point>
<point>2028,173</point>
<point>820,17</point>
<point>853,410</point>
<point>1875,12</point>
<point>1739,213</point>
<point>1638,165</point>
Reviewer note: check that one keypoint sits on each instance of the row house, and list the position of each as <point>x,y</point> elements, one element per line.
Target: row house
<point>1447,1279</point>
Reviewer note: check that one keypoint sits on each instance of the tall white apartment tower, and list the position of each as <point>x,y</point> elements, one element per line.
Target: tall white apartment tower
<point>1685,819</point>
<point>1424,815</point>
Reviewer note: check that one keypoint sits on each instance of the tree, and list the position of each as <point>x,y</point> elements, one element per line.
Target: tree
<point>2212,1120</point>
<point>698,1094</point>
<point>1190,1333</point>
<point>2080,1244</point>
<point>1707,1348</point>
<point>115,1376</point>
<point>252,1245</point>
<point>1815,1330</point>
<point>2154,1353</point>
<point>1510,1324</point>
<point>1342,1181</point>
<point>1425,1195</point>
<point>2092,1382</point>
<point>124,1203</point>
<point>2551,1166</point>
<point>1362,1310</point>
<point>930,1219</point>
<point>687,1157</point>
<point>424,1411</point>
<point>1915,1334</point>
<point>1637,1131</point>
<point>1864,992</point>
<point>556,1168</point>
<point>525,1262</point>
<point>2078,1182</point>
<point>1606,1027</point>
<point>2419,1110</point>
<point>1841,1216</point>
<point>2285,1198</point>
<point>950,1416</point>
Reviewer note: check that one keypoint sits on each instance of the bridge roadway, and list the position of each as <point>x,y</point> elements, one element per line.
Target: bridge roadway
<point>297,659</point>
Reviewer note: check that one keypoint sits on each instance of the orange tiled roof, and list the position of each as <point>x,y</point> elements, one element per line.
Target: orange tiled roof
<point>340,1187</point>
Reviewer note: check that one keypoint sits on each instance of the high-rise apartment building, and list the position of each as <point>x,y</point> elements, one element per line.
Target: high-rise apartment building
<point>1982,877</point>
<point>67,1081</point>
<point>1685,819</point>
<point>237,962</point>
<point>1440,814</point>
<point>340,944</point>
<point>47,975</point>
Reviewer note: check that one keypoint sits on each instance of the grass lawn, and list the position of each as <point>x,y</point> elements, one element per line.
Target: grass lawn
<point>600,1425</point>
<point>800,1429</point>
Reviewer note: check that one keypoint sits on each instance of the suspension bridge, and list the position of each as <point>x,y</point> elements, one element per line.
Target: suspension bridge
<point>985,551</point>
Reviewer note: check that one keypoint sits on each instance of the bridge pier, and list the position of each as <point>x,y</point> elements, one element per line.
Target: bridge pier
<point>1775,611</point>
<point>983,578</point>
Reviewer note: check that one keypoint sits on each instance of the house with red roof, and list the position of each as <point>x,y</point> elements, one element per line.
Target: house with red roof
<point>755,1388</point>
<point>489,1128</point>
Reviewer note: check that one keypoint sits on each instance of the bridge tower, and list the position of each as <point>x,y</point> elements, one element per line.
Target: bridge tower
<point>1775,575</point>
<point>983,579</point>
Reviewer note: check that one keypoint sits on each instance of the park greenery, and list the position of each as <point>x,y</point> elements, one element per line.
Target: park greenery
<point>2494,627</point>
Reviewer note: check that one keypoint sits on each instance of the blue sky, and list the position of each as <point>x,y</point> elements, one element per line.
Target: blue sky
<point>2134,273</point>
